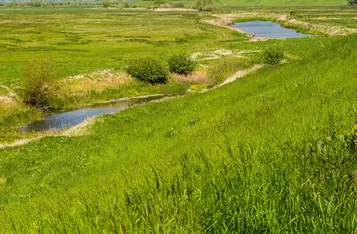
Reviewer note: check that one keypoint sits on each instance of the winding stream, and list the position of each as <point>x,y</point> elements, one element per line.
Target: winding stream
<point>267,29</point>
<point>72,118</point>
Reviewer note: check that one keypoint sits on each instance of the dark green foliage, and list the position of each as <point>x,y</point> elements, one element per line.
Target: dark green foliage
<point>148,70</point>
<point>37,4</point>
<point>39,78</point>
<point>181,64</point>
<point>204,5</point>
<point>352,2</point>
<point>351,138</point>
<point>273,55</point>
<point>106,4</point>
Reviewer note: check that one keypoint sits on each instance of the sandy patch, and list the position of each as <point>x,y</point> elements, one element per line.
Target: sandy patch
<point>201,56</point>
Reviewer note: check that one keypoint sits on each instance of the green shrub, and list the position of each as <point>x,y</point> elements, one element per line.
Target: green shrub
<point>352,2</point>
<point>106,4</point>
<point>181,64</point>
<point>273,55</point>
<point>148,70</point>
<point>37,4</point>
<point>39,77</point>
<point>204,5</point>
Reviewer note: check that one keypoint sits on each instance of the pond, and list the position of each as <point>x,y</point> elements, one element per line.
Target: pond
<point>268,29</point>
<point>72,118</point>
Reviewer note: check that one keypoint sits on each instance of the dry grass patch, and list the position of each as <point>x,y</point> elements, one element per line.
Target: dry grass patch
<point>97,81</point>
<point>217,54</point>
<point>9,101</point>
<point>197,77</point>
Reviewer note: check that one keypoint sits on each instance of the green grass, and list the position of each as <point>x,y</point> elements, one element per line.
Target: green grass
<point>82,40</point>
<point>264,154</point>
<point>283,2</point>
<point>267,153</point>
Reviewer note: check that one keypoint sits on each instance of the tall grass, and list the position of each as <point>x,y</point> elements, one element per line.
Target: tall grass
<point>240,189</point>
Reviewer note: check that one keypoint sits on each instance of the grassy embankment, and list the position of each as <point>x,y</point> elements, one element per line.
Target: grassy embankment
<point>91,41</point>
<point>84,41</point>
<point>265,154</point>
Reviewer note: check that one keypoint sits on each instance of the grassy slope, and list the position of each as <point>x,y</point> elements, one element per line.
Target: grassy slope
<point>294,175</point>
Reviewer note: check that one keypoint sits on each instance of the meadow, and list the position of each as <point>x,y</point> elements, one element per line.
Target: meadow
<point>274,152</point>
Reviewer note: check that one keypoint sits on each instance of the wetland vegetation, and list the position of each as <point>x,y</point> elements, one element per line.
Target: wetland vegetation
<point>271,151</point>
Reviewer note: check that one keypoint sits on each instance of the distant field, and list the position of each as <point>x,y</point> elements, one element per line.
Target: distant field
<point>283,2</point>
<point>233,3</point>
<point>82,40</point>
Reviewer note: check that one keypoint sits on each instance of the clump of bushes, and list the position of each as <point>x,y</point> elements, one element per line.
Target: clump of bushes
<point>148,70</point>
<point>39,79</point>
<point>106,4</point>
<point>181,64</point>
<point>273,55</point>
<point>352,2</point>
<point>204,5</point>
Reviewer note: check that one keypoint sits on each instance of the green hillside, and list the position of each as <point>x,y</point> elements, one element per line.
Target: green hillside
<point>268,153</point>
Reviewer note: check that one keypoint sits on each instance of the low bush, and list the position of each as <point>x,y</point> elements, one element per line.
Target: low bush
<point>39,79</point>
<point>273,55</point>
<point>106,4</point>
<point>148,70</point>
<point>181,64</point>
<point>352,2</point>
